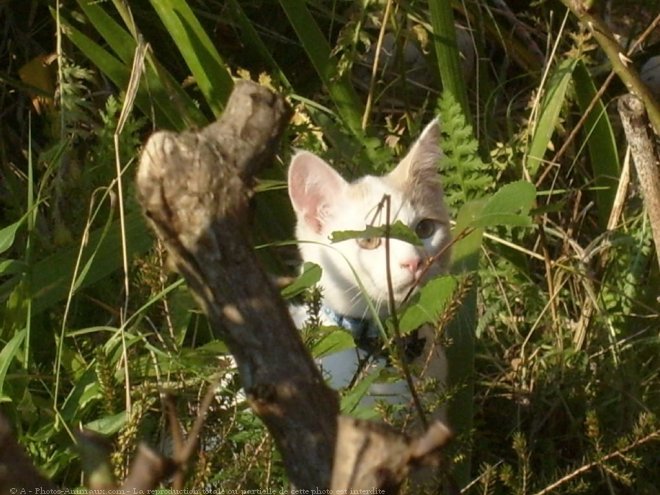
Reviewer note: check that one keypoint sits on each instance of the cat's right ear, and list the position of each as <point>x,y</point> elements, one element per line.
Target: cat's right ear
<point>314,188</point>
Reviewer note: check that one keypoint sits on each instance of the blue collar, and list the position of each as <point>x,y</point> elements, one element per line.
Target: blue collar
<point>367,336</point>
<point>365,331</point>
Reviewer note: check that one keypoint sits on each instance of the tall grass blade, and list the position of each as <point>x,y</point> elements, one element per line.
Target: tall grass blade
<point>7,356</point>
<point>548,117</point>
<point>203,60</point>
<point>31,223</point>
<point>461,330</point>
<point>252,38</point>
<point>166,114</point>
<point>158,85</point>
<point>120,40</point>
<point>603,152</point>
<point>447,54</point>
<point>52,275</point>
<point>318,51</point>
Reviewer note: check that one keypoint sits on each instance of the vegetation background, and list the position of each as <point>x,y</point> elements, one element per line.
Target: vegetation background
<point>562,374</point>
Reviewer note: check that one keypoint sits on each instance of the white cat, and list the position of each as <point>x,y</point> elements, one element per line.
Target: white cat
<point>324,202</point>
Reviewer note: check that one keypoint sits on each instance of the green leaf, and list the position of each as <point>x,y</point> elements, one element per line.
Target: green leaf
<point>428,304</point>
<point>7,355</point>
<point>310,275</point>
<point>351,401</point>
<point>465,252</point>
<point>447,54</point>
<point>601,142</point>
<point>318,51</point>
<point>173,108</point>
<point>119,74</point>
<point>8,234</point>
<point>548,118</point>
<point>398,230</point>
<point>108,425</point>
<point>198,51</point>
<point>510,205</point>
<point>11,267</point>
<point>335,339</point>
<point>85,393</point>
<point>120,40</point>
<point>51,276</point>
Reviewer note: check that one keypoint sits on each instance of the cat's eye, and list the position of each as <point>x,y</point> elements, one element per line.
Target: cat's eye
<point>369,242</point>
<point>426,228</point>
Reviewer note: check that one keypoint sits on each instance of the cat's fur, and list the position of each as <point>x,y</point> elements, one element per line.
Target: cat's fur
<point>324,203</point>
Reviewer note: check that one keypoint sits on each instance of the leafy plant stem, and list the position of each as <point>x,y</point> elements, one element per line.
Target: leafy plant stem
<point>197,49</point>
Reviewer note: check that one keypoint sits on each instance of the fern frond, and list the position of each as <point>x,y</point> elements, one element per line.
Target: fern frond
<point>465,175</point>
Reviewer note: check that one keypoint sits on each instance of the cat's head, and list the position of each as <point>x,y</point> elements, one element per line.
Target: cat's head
<point>325,202</point>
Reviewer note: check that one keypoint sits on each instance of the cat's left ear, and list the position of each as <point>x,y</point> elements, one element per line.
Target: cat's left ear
<point>421,162</point>
<point>315,189</point>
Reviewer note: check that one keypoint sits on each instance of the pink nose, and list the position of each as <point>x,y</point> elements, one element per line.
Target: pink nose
<point>412,264</point>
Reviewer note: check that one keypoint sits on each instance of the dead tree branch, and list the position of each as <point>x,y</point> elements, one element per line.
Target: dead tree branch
<point>195,189</point>
<point>645,156</point>
<point>16,468</point>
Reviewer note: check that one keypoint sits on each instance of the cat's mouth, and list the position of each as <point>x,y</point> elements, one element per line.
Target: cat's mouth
<point>407,287</point>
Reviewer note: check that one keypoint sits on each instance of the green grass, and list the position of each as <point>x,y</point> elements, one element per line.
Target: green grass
<point>552,325</point>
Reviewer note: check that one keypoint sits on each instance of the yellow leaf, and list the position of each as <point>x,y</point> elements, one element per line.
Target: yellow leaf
<point>39,73</point>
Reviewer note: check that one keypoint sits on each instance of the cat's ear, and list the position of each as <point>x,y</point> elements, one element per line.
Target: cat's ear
<point>421,162</point>
<point>314,188</point>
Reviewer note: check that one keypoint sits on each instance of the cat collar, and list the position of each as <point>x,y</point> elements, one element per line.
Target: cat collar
<point>367,337</point>
<point>365,331</point>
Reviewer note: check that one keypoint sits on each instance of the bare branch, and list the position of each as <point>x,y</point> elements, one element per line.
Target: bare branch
<point>645,156</point>
<point>195,188</point>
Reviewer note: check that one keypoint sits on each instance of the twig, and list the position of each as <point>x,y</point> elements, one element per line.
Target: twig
<point>395,320</point>
<point>184,450</point>
<point>583,469</point>
<point>147,471</point>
